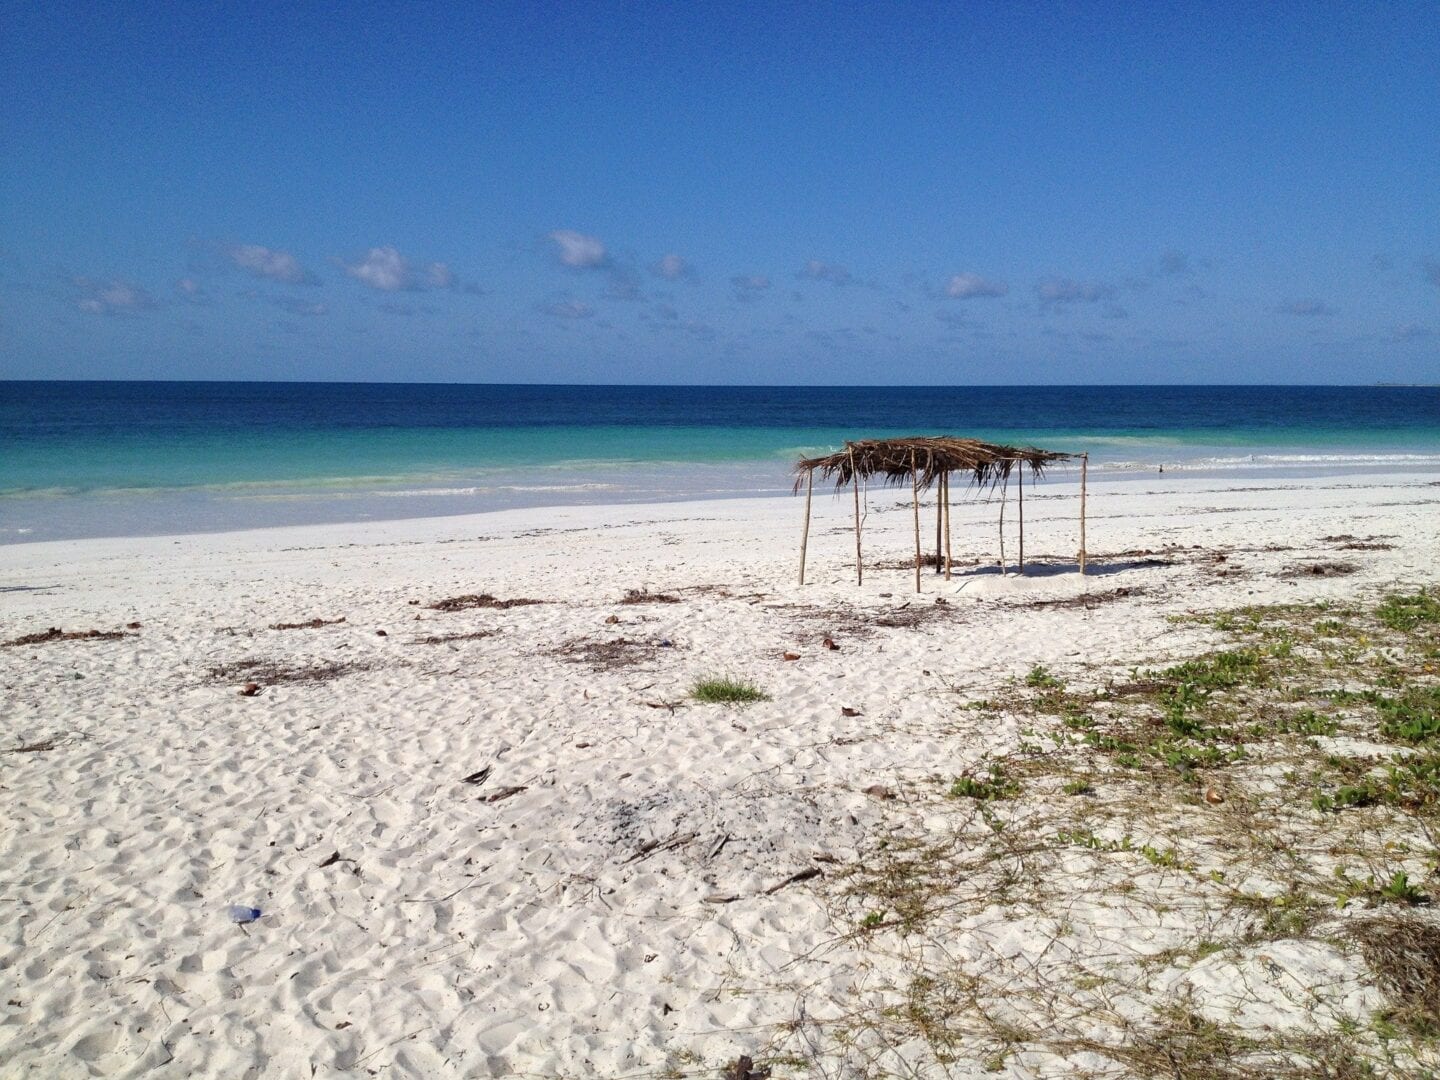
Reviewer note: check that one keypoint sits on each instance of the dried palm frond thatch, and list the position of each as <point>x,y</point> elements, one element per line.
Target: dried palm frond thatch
<point>927,459</point>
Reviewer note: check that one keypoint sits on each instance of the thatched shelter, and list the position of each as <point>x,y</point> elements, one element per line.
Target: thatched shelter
<point>925,462</point>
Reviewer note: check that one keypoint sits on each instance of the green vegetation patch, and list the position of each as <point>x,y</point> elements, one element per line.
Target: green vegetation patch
<point>727,691</point>
<point>998,785</point>
<point>1401,612</point>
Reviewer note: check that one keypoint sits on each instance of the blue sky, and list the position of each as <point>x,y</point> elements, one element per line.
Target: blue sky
<point>783,193</point>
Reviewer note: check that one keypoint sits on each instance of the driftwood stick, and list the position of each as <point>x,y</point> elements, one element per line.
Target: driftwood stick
<point>1020,492</point>
<point>805,533</point>
<point>945,483</point>
<point>855,483</point>
<point>915,496</point>
<point>1084,463</point>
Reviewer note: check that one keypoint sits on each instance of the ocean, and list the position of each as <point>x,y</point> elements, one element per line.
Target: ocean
<point>82,459</point>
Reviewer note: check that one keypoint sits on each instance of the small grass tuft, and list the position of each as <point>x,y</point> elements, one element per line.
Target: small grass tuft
<point>727,691</point>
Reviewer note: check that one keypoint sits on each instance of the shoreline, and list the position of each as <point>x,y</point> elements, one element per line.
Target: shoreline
<point>208,511</point>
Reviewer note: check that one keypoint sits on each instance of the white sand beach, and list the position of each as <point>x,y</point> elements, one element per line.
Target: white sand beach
<point>504,841</point>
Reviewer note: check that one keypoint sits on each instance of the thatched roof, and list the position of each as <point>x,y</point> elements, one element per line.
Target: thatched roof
<point>928,457</point>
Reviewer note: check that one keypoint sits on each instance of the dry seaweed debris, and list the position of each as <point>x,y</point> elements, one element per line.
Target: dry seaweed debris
<point>1404,954</point>
<point>1319,569</point>
<point>479,600</point>
<point>929,559</point>
<point>56,634</point>
<point>443,639</point>
<point>859,622</point>
<point>1347,542</point>
<point>274,672</point>
<point>908,616</point>
<point>312,624</point>
<point>609,655</point>
<point>1087,600</point>
<point>645,596</point>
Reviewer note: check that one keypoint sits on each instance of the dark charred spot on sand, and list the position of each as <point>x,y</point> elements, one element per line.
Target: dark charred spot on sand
<point>44,637</point>
<point>480,600</point>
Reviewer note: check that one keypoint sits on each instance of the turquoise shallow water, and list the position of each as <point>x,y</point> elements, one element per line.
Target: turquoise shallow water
<point>86,459</point>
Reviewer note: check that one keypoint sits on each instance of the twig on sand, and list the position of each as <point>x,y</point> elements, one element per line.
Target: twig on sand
<point>52,742</point>
<point>437,899</point>
<point>794,879</point>
<point>505,793</point>
<point>670,843</point>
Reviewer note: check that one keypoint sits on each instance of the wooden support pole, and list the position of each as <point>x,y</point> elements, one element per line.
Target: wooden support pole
<point>1005,483</point>
<point>1020,489</point>
<point>855,483</point>
<point>1084,463</point>
<point>939,519</point>
<point>805,534</point>
<point>945,484</point>
<point>915,496</point>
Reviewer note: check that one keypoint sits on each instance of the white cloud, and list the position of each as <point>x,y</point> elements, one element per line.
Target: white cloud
<point>1065,291</point>
<point>191,291</point>
<point>578,250</point>
<point>114,297</point>
<point>270,263</point>
<point>819,270</point>
<point>971,286</point>
<point>672,267</point>
<point>383,268</point>
<point>568,309</point>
